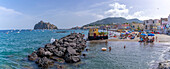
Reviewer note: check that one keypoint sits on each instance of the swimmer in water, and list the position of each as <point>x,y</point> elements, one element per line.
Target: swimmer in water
<point>110,48</point>
<point>87,49</point>
<point>84,55</point>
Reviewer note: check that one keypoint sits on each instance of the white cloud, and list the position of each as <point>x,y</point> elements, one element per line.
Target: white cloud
<point>138,13</point>
<point>131,7</point>
<point>117,10</point>
<point>6,11</point>
<point>121,10</point>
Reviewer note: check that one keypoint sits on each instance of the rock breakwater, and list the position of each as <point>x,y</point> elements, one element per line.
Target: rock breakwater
<point>164,65</point>
<point>67,49</point>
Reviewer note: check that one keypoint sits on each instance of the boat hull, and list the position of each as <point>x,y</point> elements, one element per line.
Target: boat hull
<point>97,37</point>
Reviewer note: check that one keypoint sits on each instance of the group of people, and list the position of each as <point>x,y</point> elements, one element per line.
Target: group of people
<point>125,36</point>
<point>147,39</point>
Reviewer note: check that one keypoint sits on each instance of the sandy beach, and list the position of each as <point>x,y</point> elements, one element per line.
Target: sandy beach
<point>160,38</point>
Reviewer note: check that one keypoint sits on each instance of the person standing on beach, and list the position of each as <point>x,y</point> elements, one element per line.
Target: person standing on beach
<point>153,39</point>
<point>156,38</point>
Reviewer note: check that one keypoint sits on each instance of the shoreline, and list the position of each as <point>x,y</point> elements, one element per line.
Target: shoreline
<point>161,39</point>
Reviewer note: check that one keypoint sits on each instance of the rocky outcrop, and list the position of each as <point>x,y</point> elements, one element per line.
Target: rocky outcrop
<point>44,25</point>
<point>164,65</point>
<point>67,49</point>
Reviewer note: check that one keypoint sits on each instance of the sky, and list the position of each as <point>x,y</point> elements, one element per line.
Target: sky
<point>24,14</point>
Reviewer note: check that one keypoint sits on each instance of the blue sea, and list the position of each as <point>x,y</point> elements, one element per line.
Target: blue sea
<point>18,44</point>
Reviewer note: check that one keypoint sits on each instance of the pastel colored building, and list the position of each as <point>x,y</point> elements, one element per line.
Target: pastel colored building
<point>136,26</point>
<point>164,21</point>
<point>152,24</point>
<point>169,19</point>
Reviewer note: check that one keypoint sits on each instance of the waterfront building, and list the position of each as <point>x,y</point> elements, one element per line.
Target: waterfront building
<point>125,26</point>
<point>137,26</point>
<point>148,24</point>
<point>164,21</point>
<point>156,25</point>
<point>164,25</point>
<point>169,19</point>
<point>152,24</point>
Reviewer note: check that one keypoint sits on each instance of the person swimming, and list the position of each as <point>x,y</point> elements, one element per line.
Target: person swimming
<point>110,48</point>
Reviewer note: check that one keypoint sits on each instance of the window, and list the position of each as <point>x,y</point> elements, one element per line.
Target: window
<point>146,27</point>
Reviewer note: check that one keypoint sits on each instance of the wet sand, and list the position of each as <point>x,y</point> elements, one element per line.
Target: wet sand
<point>160,38</point>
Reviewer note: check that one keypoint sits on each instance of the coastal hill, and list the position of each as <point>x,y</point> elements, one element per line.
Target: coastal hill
<point>111,20</point>
<point>44,25</point>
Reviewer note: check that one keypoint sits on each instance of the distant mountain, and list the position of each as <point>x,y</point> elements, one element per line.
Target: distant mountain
<point>44,25</point>
<point>111,20</point>
<point>134,20</point>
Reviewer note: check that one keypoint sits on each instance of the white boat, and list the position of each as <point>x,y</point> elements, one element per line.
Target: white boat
<point>104,49</point>
<point>52,40</point>
<point>18,32</point>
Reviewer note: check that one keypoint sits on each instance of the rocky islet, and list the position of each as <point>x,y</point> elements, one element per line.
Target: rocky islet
<point>67,49</point>
<point>44,25</point>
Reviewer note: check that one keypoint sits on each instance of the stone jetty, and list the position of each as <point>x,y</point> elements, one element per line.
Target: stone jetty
<point>67,49</point>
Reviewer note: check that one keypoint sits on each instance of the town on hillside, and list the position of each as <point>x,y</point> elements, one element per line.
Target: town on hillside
<point>161,25</point>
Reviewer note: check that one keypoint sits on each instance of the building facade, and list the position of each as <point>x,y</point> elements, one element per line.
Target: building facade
<point>169,19</point>
<point>137,26</point>
<point>152,25</point>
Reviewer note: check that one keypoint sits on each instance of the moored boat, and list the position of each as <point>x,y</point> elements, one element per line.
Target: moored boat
<point>95,35</point>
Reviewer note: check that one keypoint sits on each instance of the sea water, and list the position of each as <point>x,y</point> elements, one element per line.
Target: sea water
<point>15,47</point>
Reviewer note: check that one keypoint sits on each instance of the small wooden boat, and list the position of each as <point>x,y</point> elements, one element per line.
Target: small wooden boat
<point>104,49</point>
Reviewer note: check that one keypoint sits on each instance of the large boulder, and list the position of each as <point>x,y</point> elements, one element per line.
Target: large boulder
<point>58,53</point>
<point>33,56</point>
<point>164,65</point>
<point>44,62</point>
<point>60,60</point>
<point>41,52</point>
<point>72,45</point>
<point>56,43</point>
<point>48,53</point>
<point>70,50</point>
<point>72,55</point>
<point>72,58</point>
<point>63,49</point>
<point>50,47</point>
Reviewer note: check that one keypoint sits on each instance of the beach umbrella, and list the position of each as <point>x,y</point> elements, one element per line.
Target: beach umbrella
<point>143,34</point>
<point>122,33</point>
<point>133,32</point>
<point>150,34</point>
<point>130,31</point>
<point>127,32</point>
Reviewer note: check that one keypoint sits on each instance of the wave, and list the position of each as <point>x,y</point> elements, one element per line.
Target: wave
<point>163,57</point>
